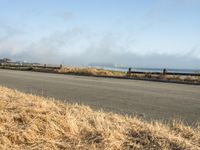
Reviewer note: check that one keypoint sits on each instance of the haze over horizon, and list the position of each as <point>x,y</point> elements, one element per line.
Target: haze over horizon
<point>156,33</point>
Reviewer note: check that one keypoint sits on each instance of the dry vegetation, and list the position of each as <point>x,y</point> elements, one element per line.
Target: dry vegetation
<point>89,71</point>
<point>108,73</point>
<point>193,79</point>
<point>101,72</point>
<point>31,122</point>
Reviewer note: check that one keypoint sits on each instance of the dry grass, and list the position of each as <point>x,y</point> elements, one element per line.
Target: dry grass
<point>193,79</point>
<point>89,71</point>
<point>31,122</point>
<point>101,72</point>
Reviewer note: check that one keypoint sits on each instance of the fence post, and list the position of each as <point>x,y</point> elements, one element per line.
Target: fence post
<point>129,72</point>
<point>164,71</point>
<point>61,66</point>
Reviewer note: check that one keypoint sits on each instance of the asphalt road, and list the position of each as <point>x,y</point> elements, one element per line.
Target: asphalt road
<point>152,100</point>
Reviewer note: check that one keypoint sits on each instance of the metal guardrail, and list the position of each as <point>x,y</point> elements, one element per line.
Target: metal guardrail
<point>164,72</point>
<point>45,66</point>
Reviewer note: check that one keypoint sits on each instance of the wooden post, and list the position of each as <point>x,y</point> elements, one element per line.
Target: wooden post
<point>129,72</point>
<point>164,71</point>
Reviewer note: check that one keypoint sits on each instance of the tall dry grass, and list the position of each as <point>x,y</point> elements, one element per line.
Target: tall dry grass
<point>90,71</point>
<point>31,122</point>
<point>192,79</point>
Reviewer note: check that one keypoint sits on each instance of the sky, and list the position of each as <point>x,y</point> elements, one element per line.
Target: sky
<point>139,33</point>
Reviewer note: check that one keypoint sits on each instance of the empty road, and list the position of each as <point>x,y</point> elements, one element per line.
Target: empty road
<point>152,100</point>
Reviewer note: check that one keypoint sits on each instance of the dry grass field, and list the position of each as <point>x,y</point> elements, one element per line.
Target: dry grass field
<point>101,72</point>
<point>193,79</point>
<point>32,122</point>
<point>89,71</point>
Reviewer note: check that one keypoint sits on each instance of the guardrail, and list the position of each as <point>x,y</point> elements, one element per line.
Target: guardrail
<point>164,72</point>
<point>41,66</point>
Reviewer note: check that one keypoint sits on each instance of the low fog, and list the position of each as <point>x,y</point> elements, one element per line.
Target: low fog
<point>81,47</point>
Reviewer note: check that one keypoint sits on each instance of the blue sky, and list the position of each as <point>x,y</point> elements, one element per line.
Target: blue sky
<point>145,33</point>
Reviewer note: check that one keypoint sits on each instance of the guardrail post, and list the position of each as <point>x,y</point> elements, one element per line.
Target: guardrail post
<point>129,72</point>
<point>164,71</point>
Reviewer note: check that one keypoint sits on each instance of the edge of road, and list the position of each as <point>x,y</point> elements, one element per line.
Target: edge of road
<point>117,77</point>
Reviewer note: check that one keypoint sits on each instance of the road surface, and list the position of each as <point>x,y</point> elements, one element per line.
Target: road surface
<point>151,100</point>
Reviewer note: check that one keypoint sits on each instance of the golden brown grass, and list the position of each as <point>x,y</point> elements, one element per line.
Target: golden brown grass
<point>101,72</point>
<point>31,122</point>
<point>193,79</point>
<point>89,71</point>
